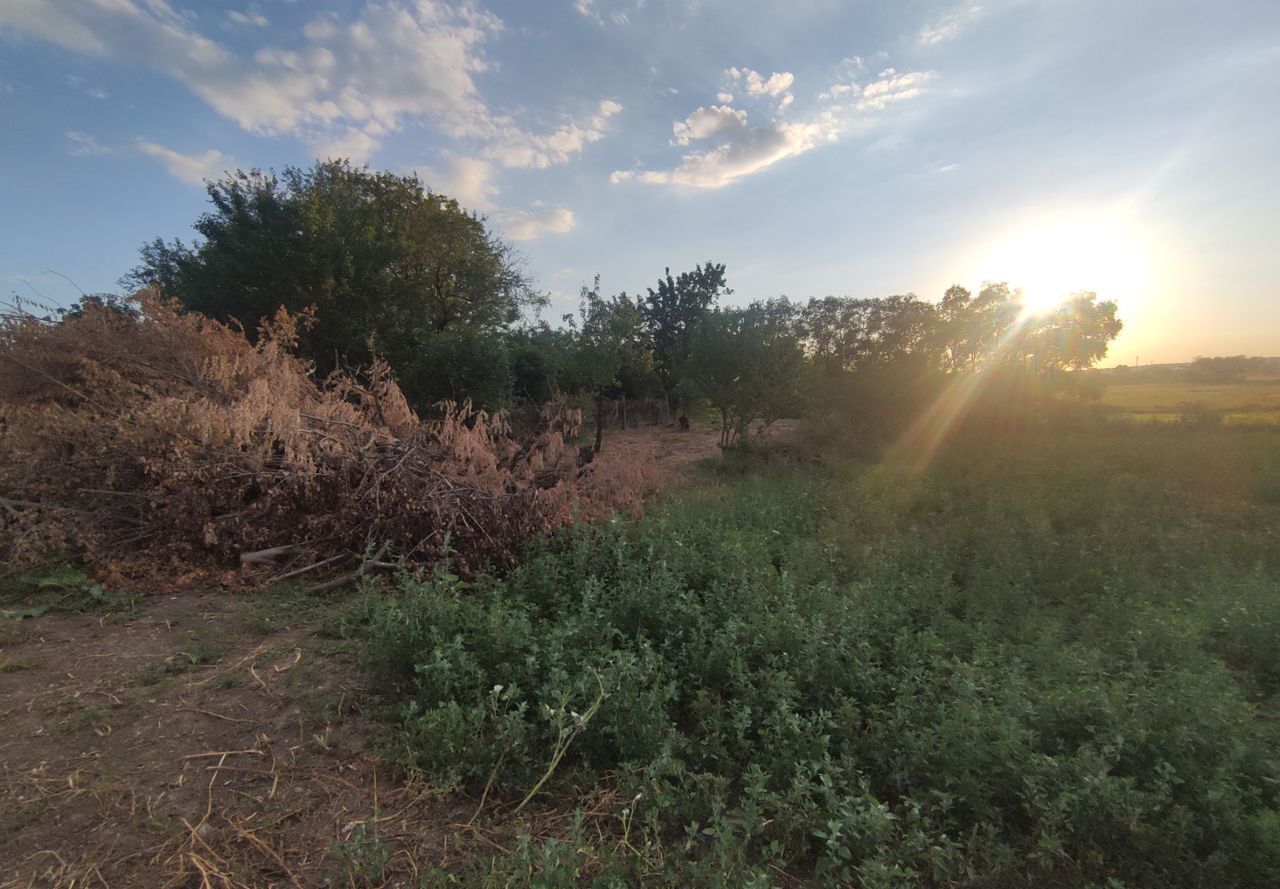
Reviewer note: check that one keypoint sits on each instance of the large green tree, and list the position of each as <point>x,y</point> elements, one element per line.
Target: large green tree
<point>390,266</point>
<point>672,311</point>
<point>749,364</point>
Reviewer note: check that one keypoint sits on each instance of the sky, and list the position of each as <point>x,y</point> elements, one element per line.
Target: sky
<point>816,147</point>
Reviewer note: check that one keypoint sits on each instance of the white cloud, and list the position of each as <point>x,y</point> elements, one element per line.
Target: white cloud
<point>890,87</point>
<point>513,147</point>
<point>251,19</point>
<point>757,84</point>
<point>393,62</point>
<point>776,86</point>
<point>735,149</point>
<point>96,93</point>
<point>525,225</point>
<point>746,150</point>
<point>353,144</point>
<point>951,23</point>
<point>193,168</point>
<point>707,122</point>
<point>84,145</point>
<point>340,88</point>
<point>468,179</point>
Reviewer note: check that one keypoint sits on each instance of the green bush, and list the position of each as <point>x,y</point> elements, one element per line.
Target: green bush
<point>1045,661</point>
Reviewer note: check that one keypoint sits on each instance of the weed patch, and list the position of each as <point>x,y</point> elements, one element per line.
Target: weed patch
<point>1044,662</point>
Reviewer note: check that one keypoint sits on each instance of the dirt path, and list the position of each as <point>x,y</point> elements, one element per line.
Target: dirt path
<point>206,740</point>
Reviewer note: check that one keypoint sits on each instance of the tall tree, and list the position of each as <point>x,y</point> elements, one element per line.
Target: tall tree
<point>387,263</point>
<point>1073,336</point>
<point>672,311</point>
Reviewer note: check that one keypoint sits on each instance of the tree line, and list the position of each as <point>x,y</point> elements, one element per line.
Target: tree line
<point>392,269</point>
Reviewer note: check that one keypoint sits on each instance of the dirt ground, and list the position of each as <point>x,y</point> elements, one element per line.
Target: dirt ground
<point>223,740</point>
<point>205,740</point>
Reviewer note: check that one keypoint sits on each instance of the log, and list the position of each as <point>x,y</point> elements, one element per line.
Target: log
<point>269,555</point>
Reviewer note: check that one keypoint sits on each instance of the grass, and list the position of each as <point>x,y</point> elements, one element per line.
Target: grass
<point>1048,660</point>
<point>1251,402</point>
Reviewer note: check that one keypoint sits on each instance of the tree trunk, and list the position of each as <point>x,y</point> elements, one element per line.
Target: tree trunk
<point>599,421</point>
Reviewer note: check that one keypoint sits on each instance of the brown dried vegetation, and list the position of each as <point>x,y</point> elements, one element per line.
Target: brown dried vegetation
<point>166,442</point>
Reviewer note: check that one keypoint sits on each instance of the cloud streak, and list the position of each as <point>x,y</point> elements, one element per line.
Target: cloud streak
<point>190,168</point>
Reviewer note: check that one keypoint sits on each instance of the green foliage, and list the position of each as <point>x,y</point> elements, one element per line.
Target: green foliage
<point>671,312</point>
<point>386,263</point>
<point>58,588</point>
<point>748,364</point>
<point>1048,660</point>
<point>457,364</point>
<point>362,858</point>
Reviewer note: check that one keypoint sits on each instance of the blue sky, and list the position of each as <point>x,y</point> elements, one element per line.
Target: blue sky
<point>814,146</point>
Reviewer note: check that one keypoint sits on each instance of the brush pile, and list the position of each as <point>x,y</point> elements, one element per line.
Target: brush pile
<point>146,441</point>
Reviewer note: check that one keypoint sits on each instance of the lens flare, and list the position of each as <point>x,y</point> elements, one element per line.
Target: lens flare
<point>1052,258</point>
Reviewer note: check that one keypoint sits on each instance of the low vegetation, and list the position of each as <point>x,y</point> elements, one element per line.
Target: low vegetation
<point>995,673</point>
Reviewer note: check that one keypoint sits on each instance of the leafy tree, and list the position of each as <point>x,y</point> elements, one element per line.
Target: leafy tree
<point>1073,336</point>
<point>671,312</point>
<point>835,332</point>
<point>459,363</point>
<point>749,364</point>
<point>387,263</point>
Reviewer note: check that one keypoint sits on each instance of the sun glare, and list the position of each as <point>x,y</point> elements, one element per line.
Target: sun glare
<point>1054,258</point>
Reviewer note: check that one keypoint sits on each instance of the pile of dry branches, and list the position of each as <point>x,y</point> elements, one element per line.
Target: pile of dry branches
<point>170,441</point>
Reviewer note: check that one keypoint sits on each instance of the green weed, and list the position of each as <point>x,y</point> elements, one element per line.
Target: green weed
<point>1046,660</point>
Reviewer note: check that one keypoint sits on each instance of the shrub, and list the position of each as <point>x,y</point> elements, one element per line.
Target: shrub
<point>170,441</point>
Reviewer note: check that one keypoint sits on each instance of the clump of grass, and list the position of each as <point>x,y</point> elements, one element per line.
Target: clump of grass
<point>1046,660</point>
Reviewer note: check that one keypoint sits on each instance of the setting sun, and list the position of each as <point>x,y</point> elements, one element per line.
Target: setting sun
<point>1053,258</point>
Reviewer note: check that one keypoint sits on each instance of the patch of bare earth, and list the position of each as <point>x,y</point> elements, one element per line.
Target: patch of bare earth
<point>195,743</point>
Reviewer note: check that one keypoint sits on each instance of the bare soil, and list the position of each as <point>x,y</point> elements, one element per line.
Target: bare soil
<point>205,740</point>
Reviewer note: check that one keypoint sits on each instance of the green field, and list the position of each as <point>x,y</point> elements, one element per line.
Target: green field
<point>1049,660</point>
<point>1250,402</point>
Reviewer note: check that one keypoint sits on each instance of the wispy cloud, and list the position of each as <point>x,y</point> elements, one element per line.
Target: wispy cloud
<point>468,179</point>
<point>192,168</point>
<point>249,19</point>
<point>732,148</point>
<point>84,145</point>
<point>619,16</point>
<point>742,149</point>
<point>950,24</point>
<point>514,147</point>
<point>526,225</point>
<point>888,87</point>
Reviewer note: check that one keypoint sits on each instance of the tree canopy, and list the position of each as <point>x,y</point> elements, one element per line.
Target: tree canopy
<point>388,264</point>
